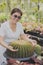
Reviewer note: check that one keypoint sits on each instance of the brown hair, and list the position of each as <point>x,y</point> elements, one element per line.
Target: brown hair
<point>16,10</point>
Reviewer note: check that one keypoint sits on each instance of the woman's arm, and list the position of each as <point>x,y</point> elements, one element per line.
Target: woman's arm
<point>5,45</point>
<point>24,37</point>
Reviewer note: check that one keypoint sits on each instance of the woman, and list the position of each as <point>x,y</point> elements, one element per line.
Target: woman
<point>12,30</point>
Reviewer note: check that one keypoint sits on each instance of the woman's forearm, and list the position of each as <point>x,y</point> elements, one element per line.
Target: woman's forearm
<point>4,44</point>
<point>7,47</point>
<point>27,39</point>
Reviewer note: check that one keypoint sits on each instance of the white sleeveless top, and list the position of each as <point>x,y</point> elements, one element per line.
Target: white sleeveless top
<point>8,34</point>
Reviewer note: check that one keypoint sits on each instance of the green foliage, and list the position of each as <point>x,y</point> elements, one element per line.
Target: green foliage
<point>2,6</point>
<point>3,17</point>
<point>28,9</point>
<point>37,0</point>
<point>34,0</point>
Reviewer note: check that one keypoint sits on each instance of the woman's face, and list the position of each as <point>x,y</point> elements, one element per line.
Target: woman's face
<point>15,17</point>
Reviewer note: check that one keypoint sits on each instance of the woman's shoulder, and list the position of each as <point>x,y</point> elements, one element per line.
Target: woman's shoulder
<point>19,24</point>
<point>5,23</point>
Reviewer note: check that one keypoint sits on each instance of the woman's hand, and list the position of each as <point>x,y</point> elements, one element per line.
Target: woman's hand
<point>25,37</point>
<point>6,46</point>
<point>14,50</point>
<point>28,35</point>
<point>34,42</point>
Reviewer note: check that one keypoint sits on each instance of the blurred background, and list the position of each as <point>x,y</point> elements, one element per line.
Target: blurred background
<point>32,9</point>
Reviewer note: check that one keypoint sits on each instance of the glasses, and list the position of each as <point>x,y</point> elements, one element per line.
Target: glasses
<point>15,16</point>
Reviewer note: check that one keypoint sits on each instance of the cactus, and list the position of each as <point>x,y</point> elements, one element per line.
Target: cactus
<point>37,49</point>
<point>25,49</point>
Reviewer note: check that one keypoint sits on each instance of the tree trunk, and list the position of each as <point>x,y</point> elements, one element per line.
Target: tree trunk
<point>9,5</point>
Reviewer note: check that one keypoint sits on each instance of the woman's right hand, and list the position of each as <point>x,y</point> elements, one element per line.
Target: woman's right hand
<point>13,50</point>
<point>6,46</point>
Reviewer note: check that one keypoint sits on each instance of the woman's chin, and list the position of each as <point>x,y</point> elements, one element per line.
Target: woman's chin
<point>14,22</point>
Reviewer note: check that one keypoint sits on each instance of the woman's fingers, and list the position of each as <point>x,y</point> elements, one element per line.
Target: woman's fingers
<point>34,42</point>
<point>11,48</point>
<point>15,50</point>
<point>28,35</point>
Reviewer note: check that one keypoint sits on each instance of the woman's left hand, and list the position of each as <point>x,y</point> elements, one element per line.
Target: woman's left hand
<point>34,42</point>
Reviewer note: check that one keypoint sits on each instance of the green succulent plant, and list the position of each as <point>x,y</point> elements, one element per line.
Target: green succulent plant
<point>37,49</point>
<point>25,49</point>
